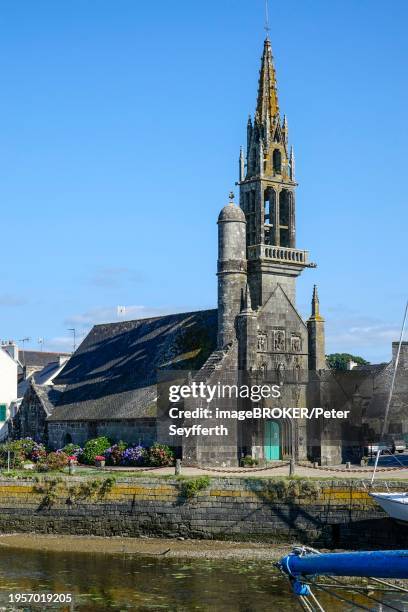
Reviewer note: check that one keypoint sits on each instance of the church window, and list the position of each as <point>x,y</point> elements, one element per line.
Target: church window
<point>269,215</point>
<point>284,217</point>
<point>277,161</point>
<point>3,412</point>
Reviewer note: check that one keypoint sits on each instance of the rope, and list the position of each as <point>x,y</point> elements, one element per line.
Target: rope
<point>242,470</point>
<point>327,468</point>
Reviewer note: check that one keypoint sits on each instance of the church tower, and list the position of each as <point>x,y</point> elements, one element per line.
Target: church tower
<point>267,195</point>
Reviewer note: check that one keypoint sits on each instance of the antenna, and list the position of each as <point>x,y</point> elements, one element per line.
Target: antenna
<point>73,330</point>
<point>23,341</point>
<point>267,28</point>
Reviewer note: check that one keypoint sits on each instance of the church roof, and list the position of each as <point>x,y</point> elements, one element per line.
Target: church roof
<point>113,373</point>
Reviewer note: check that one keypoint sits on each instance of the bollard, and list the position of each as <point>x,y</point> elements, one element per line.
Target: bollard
<point>292,467</point>
<point>71,467</point>
<point>177,471</point>
<point>348,465</point>
<point>315,464</point>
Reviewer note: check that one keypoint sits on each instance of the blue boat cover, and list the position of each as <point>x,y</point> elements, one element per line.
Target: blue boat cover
<point>375,564</point>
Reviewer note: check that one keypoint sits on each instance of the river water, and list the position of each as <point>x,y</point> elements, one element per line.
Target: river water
<point>128,582</point>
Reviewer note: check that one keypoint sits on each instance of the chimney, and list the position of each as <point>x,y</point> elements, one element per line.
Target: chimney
<point>11,348</point>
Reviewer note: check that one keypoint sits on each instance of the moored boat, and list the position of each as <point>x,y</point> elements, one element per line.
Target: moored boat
<point>394,504</point>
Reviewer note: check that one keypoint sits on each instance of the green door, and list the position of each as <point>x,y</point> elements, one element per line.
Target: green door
<point>272,440</point>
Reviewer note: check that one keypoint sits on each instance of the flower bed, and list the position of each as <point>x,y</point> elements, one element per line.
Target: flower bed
<point>96,451</point>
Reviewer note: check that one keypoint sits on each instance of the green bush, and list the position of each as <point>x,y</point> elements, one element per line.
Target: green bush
<point>189,488</point>
<point>160,454</point>
<point>94,447</point>
<point>248,461</point>
<point>20,450</point>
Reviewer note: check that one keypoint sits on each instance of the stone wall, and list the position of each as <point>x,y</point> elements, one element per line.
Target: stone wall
<point>326,514</point>
<point>132,431</point>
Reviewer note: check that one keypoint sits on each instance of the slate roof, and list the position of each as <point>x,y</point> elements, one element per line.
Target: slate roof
<point>38,358</point>
<point>113,373</point>
<point>49,396</point>
<point>40,378</point>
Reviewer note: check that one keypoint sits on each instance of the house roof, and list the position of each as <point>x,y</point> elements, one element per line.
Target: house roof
<point>113,373</point>
<point>39,358</point>
<point>48,396</point>
<point>41,377</point>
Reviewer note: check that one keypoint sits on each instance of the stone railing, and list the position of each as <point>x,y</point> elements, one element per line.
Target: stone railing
<point>279,253</point>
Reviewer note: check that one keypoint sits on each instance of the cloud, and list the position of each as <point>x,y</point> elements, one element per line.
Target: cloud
<point>7,299</point>
<point>371,338</point>
<point>115,277</point>
<point>109,314</point>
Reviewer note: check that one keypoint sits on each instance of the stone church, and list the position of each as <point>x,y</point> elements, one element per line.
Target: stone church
<point>110,385</point>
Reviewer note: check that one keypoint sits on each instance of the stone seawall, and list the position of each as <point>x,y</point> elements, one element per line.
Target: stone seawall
<point>336,514</point>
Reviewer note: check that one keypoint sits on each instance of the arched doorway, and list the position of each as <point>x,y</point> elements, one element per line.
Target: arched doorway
<point>271,441</point>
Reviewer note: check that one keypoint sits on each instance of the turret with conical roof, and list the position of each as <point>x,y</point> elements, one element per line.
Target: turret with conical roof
<point>232,269</point>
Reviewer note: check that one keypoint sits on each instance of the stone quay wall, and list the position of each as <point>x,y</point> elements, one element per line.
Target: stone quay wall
<point>337,514</point>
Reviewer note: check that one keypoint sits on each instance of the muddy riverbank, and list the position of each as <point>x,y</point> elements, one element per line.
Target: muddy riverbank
<point>158,547</point>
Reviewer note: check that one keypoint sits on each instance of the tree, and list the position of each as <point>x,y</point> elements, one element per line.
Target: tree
<point>339,361</point>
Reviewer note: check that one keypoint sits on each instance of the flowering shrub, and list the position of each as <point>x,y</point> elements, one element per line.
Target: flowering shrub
<point>72,449</point>
<point>160,454</point>
<point>114,454</point>
<point>38,452</point>
<point>134,455</point>
<point>94,447</point>
<point>53,462</point>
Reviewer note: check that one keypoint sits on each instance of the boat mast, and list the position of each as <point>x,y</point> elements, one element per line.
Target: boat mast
<point>387,409</point>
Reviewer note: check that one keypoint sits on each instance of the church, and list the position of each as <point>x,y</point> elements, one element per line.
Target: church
<point>110,385</point>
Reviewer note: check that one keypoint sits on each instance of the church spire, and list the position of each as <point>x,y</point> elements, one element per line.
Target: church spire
<point>316,316</point>
<point>267,105</point>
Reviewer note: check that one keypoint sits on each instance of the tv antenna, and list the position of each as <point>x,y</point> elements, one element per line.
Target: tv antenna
<point>73,330</point>
<point>23,341</point>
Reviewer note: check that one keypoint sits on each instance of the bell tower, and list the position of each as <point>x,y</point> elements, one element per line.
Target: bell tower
<point>267,195</point>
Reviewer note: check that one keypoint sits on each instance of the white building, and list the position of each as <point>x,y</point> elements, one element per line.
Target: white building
<point>8,386</point>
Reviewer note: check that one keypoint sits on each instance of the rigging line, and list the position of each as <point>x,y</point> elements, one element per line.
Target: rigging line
<point>305,604</point>
<point>369,597</point>
<point>387,409</point>
<point>396,587</point>
<point>313,596</point>
<point>349,601</point>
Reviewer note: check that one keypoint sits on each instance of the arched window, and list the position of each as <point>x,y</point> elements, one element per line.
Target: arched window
<point>284,217</point>
<point>269,215</point>
<point>277,161</point>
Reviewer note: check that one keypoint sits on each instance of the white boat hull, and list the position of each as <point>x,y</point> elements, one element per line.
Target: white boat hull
<point>394,504</point>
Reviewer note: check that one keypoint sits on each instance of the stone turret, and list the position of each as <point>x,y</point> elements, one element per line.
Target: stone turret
<point>232,269</point>
<point>315,328</point>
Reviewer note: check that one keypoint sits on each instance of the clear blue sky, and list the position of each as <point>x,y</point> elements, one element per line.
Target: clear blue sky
<point>121,127</point>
